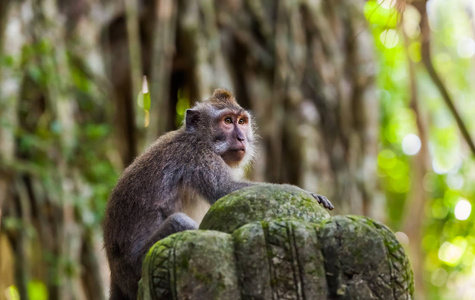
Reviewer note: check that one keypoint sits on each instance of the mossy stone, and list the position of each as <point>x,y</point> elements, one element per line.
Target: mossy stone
<point>277,243</point>
<point>279,259</point>
<point>364,258</point>
<point>263,202</point>
<point>189,264</point>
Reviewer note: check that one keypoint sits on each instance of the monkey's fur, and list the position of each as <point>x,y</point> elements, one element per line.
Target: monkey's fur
<point>178,177</point>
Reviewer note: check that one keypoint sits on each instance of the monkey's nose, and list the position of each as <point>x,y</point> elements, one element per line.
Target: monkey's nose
<point>241,139</point>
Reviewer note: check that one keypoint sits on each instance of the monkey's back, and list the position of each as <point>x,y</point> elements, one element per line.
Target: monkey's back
<point>145,195</point>
<point>142,192</point>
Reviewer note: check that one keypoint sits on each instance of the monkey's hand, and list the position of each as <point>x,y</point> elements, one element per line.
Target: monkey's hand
<point>323,201</point>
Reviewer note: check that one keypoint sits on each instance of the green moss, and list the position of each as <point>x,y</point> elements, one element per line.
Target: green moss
<point>262,202</point>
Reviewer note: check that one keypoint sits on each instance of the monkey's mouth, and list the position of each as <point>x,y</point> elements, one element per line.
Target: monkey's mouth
<point>233,156</point>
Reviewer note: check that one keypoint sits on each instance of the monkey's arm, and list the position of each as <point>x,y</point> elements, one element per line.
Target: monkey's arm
<point>221,187</point>
<point>213,181</point>
<point>218,183</point>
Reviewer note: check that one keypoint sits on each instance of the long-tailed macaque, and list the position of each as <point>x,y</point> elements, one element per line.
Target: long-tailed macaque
<point>170,187</point>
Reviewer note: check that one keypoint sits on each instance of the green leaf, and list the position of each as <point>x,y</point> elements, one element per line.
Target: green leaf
<point>37,290</point>
<point>146,101</point>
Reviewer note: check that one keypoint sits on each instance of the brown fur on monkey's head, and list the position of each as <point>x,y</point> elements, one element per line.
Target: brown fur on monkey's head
<point>223,98</point>
<point>202,113</point>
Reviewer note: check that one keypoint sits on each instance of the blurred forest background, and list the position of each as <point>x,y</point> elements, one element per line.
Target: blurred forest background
<point>370,103</point>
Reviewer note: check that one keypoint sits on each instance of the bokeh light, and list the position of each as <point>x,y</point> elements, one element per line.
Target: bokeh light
<point>466,47</point>
<point>463,210</point>
<point>439,277</point>
<point>389,38</point>
<point>411,144</point>
<point>450,253</point>
<point>402,238</point>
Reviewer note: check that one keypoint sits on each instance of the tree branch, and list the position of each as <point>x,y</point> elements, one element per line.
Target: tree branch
<point>427,60</point>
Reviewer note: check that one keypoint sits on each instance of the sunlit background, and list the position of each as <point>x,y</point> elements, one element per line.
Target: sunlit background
<point>448,235</point>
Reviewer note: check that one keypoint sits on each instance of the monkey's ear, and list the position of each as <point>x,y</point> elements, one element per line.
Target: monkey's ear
<point>192,118</point>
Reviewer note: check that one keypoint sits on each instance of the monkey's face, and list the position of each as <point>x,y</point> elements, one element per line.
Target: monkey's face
<point>225,125</point>
<point>232,137</point>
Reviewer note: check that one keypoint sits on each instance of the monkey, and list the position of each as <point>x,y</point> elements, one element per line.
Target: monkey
<point>170,186</point>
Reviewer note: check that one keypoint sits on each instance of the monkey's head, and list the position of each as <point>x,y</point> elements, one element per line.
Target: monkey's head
<point>225,125</point>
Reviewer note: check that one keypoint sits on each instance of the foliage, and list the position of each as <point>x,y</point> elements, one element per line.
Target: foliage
<point>79,177</point>
<point>449,226</point>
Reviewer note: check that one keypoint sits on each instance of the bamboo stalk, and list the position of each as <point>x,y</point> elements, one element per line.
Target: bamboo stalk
<point>135,56</point>
<point>417,199</point>
<point>162,61</point>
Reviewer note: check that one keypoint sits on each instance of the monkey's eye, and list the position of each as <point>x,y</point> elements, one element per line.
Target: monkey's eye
<point>242,121</point>
<point>228,120</point>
